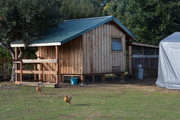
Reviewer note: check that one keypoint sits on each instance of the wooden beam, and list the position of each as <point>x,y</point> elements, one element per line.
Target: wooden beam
<point>82,78</point>
<point>38,61</point>
<point>35,72</point>
<point>141,44</point>
<point>130,61</point>
<point>35,76</point>
<point>40,69</point>
<point>16,65</point>
<point>142,50</point>
<point>21,71</point>
<point>122,76</point>
<point>57,64</point>
<point>145,56</point>
<point>103,77</point>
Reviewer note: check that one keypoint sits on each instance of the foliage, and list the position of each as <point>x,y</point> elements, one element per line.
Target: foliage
<point>26,20</point>
<point>22,19</point>
<point>74,9</point>
<point>4,54</point>
<point>116,8</point>
<point>5,67</point>
<point>150,21</point>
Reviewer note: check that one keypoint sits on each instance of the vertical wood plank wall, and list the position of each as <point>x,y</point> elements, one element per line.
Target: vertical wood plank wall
<point>87,54</point>
<point>97,54</point>
<point>70,58</point>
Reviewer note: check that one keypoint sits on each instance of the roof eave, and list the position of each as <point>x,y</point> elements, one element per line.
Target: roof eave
<point>124,28</point>
<point>37,44</point>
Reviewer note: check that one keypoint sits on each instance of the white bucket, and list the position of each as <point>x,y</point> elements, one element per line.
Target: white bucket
<point>139,73</point>
<point>139,65</point>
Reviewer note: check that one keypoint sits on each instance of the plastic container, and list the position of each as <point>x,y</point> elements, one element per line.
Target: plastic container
<point>74,81</point>
<point>139,73</point>
<point>139,65</point>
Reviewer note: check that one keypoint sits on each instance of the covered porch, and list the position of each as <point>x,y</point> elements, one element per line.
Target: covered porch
<point>37,80</point>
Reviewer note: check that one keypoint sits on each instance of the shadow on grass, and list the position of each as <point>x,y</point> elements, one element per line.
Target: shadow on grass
<point>86,104</point>
<point>146,81</point>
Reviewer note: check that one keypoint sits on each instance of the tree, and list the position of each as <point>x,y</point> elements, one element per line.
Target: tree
<point>24,19</point>
<point>74,9</point>
<point>116,8</point>
<point>4,66</point>
<point>149,20</point>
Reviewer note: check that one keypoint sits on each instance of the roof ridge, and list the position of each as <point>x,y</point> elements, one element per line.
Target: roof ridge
<point>83,19</point>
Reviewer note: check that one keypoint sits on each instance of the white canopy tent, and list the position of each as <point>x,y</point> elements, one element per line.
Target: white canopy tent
<point>169,62</point>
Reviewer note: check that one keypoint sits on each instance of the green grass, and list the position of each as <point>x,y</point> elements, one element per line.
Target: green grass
<point>112,102</point>
<point>110,75</point>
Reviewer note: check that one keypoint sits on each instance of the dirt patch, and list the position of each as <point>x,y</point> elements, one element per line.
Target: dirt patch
<point>95,114</point>
<point>9,87</point>
<point>147,84</point>
<point>147,93</point>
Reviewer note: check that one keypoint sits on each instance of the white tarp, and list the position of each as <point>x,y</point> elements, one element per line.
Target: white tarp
<point>169,62</point>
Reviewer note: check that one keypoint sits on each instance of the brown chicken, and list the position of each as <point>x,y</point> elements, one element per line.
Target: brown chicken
<point>68,99</point>
<point>39,89</point>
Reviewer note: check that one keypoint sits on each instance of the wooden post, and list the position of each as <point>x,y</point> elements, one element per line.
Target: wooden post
<point>21,71</point>
<point>93,78</point>
<point>57,64</point>
<point>35,76</point>
<point>130,61</point>
<point>82,78</point>
<point>40,66</point>
<point>103,77</point>
<point>16,65</point>
<point>62,77</point>
<point>40,69</point>
<point>122,76</point>
<point>142,50</point>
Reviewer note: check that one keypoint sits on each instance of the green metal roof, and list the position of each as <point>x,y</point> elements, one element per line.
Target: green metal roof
<point>71,29</point>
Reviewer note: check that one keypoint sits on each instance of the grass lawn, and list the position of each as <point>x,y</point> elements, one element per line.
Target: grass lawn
<point>107,101</point>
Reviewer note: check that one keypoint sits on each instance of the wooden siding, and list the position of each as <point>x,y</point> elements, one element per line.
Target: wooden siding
<point>87,54</point>
<point>97,54</point>
<point>70,58</point>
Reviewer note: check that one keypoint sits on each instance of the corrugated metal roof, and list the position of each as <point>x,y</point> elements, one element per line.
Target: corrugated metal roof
<point>71,29</point>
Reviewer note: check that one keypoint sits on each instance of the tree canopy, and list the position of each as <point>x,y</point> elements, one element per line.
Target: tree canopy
<point>149,20</point>
<point>73,9</point>
<point>24,19</point>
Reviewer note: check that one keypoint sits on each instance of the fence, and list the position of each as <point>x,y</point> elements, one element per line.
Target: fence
<point>6,70</point>
<point>149,64</point>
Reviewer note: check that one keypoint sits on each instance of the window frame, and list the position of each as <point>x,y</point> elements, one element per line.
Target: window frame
<point>116,37</point>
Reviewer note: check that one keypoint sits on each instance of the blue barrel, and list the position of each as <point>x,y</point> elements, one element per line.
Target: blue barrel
<point>139,73</point>
<point>74,81</point>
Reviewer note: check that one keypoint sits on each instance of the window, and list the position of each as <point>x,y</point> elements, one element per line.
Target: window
<point>116,44</point>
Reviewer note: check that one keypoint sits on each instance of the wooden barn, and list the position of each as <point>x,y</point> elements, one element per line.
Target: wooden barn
<point>79,47</point>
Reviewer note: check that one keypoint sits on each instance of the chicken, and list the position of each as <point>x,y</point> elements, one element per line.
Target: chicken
<point>39,89</point>
<point>68,99</point>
